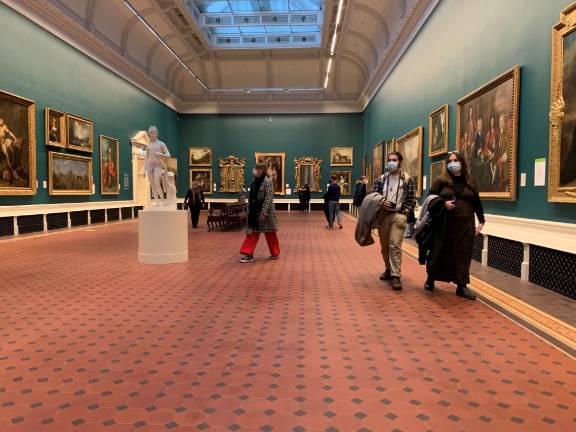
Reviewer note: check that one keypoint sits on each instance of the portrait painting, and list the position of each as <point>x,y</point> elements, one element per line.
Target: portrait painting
<point>344,180</point>
<point>232,174</point>
<point>410,146</point>
<point>275,163</point>
<point>562,146</point>
<point>55,127</point>
<point>17,145</point>
<point>69,174</point>
<point>200,156</point>
<point>342,156</point>
<point>80,133</point>
<point>204,177</point>
<point>487,128</point>
<point>438,132</point>
<point>109,166</point>
<point>308,172</point>
<point>436,170</point>
<point>377,155</point>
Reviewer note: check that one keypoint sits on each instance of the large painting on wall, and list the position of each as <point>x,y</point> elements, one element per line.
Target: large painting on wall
<point>109,166</point>
<point>344,180</point>
<point>275,162</point>
<point>410,146</point>
<point>69,174</point>
<point>308,172</point>
<point>200,156</point>
<point>17,145</point>
<point>342,156</point>
<point>487,127</point>
<point>438,132</point>
<point>377,154</point>
<point>232,174</point>
<point>562,168</point>
<point>204,178</point>
<point>80,133</point>
<point>55,127</point>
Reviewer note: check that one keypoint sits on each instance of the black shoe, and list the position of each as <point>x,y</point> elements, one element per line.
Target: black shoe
<point>464,291</point>
<point>429,285</point>
<point>396,283</point>
<point>385,276</point>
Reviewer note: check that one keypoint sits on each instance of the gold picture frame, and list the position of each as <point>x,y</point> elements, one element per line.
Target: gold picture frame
<point>344,180</point>
<point>232,174</point>
<point>308,168</point>
<point>377,158</point>
<point>436,170</point>
<point>109,165</point>
<point>79,133</point>
<point>200,156</point>
<point>493,165</point>
<point>562,140</point>
<point>67,180</point>
<point>341,156</point>
<point>276,162</point>
<point>204,176</point>
<point>22,172</point>
<point>438,131</point>
<point>410,147</point>
<point>55,128</point>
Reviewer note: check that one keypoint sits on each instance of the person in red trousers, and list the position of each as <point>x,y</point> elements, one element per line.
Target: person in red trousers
<point>261,215</point>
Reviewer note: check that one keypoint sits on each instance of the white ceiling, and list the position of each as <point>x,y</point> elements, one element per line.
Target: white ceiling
<point>372,37</point>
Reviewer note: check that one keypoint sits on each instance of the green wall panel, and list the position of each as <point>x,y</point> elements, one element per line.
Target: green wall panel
<point>43,68</point>
<point>465,44</point>
<point>296,135</point>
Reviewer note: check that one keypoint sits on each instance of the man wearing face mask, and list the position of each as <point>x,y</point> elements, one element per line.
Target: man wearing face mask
<point>399,191</point>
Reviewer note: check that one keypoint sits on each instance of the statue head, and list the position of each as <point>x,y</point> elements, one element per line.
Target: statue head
<point>153,133</point>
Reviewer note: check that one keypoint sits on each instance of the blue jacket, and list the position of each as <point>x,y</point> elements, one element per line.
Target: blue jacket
<point>333,193</point>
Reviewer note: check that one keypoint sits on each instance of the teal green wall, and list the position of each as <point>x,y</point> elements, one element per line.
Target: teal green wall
<point>296,135</point>
<point>38,66</point>
<point>463,45</point>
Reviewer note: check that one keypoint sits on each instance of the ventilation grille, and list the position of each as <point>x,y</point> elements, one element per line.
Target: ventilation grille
<point>310,38</point>
<point>79,218</point>
<point>278,39</point>
<point>113,214</point>
<point>6,226</point>
<point>126,212</point>
<point>274,19</point>
<point>218,20</point>
<point>254,40</point>
<point>30,223</point>
<point>312,19</point>
<point>229,40</point>
<point>477,248</point>
<point>57,221</point>
<point>137,210</point>
<point>554,270</point>
<point>247,19</point>
<point>97,216</point>
<point>505,255</point>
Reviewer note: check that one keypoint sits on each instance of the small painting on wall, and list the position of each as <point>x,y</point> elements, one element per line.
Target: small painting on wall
<point>69,174</point>
<point>275,163</point>
<point>80,133</point>
<point>342,156</point>
<point>109,166</point>
<point>377,153</point>
<point>17,145</point>
<point>436,170</point>
<point>204,178</point>
<point>55,127</point>
<point>200,156</point>
<point>344,180</point>
<point>438,132</point>
<point>410,147</point>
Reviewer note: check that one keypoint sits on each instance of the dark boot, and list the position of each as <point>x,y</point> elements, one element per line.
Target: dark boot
<point>396,283</point>
<point>464,291</point>
<point>385,276</point>
<point>429,285</point>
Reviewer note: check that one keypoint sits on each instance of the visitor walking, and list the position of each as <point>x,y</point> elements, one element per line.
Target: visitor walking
<point>333,198</point>
<point>360,191</point>
<point>194,200</point>
<point>304,198</point>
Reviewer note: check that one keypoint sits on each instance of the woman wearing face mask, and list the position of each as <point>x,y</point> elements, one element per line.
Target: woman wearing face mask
<point>454,229</point>
<point>261,215</point>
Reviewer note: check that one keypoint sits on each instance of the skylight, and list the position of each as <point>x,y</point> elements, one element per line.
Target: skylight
<point>259,23</point>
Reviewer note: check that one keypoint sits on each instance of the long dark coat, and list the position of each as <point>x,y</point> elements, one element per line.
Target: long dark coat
<point>265,206</point>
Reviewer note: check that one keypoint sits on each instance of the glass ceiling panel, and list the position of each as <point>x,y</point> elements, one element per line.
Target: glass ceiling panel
<point>228,6</point>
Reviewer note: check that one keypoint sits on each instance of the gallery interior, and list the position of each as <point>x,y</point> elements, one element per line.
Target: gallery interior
<point>412,164</point>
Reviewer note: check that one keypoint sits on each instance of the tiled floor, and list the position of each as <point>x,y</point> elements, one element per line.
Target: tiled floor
<point>91,340</point>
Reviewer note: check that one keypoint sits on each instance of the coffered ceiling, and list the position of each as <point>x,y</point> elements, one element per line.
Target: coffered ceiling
<point>177,60</point>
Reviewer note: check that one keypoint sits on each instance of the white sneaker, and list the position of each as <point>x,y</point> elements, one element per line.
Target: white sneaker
<point>246,259</point>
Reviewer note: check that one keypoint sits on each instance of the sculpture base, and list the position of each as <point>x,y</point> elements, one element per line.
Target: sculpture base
<point>162,236</point>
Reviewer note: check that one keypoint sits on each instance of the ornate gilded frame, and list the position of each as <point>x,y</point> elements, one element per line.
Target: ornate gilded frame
<point>444,111</point>
<point>209,171</point>
<point>400,142</point>
<point>514,75</point>
<point>63,130</point>
<point>191,149</point>
<point>52,191</point>
<point>102,138</point>
<point>283,156</point>
<point>334,150</point>
<point>83,120</point>
<point>31,108</point>
<point>316,165</point>
<point>232,172</point>
<point>567,25</point>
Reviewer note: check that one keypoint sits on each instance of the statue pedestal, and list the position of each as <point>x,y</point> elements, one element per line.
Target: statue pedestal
<point>162,236</point>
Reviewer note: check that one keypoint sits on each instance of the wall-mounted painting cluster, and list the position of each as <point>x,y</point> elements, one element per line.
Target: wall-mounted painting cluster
<point>200,167</point>
<point>342,157</point>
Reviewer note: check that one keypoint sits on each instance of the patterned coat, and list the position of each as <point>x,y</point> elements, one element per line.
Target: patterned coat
<point>266,196</point>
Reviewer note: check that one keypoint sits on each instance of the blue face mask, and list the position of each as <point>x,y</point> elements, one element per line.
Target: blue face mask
<point>392,165</point>
<point>454,167</point>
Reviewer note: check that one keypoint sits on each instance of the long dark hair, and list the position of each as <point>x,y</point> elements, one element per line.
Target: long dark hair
<point>447,176</point>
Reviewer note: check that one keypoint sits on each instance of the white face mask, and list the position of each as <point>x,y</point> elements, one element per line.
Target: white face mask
<point>454,167</point>
<point>392,165</point>
<point>255,172</point>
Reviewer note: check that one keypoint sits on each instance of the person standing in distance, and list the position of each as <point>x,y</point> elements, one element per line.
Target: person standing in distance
<point>333,197</point>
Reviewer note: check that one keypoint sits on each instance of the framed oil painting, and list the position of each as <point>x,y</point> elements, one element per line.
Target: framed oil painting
<point>410,146</point>
<point>202,176</point>
<point>438,132</point>
<point>69,174</point>
<point>80,133</point>
<point>390,146</point>
<point>487,128</point>
<point>200,156</point>
<point>344,180</point>
<point>377,155</point>
<point>562,146</point>
<point>275,162</point>
<point>109,166</point>
<point>308,171</point>
<point>232,174</point>
<point>436,170</point>
<point>342,156</point>
<point>55,127</point>
<point>17,145</point>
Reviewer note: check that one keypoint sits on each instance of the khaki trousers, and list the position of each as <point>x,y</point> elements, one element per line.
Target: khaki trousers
<point>391,232</point>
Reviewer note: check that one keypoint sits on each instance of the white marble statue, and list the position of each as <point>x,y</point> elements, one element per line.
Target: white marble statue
<point>156,168</point>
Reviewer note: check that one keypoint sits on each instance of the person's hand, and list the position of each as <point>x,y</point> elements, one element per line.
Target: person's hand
<point>479,228</point>
<point>450,205</point>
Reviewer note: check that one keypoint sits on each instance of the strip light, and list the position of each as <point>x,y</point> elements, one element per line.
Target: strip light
<point>333,45</point>
<point>163,42</point>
